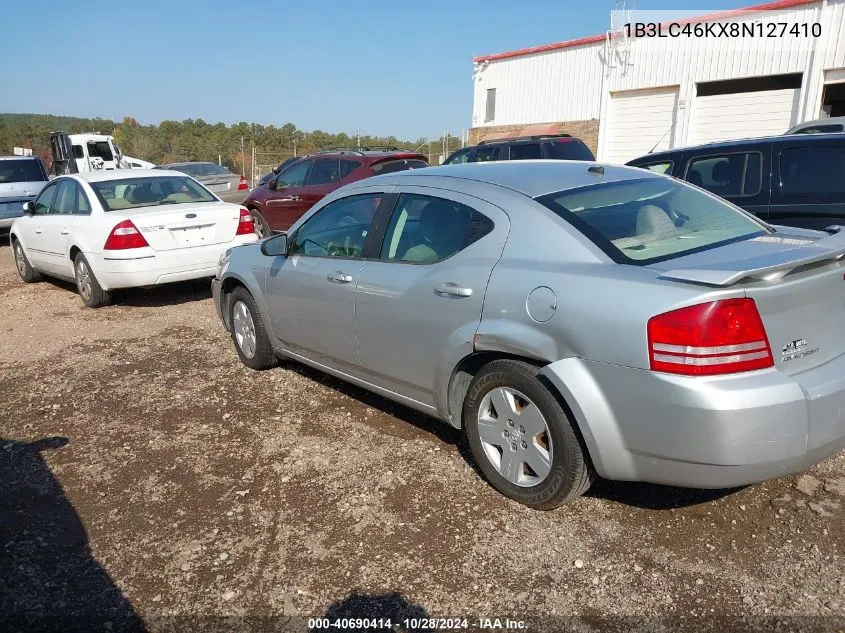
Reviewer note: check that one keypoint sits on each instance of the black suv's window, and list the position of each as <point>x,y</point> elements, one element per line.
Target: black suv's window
<point>460,157</point>
<point>664,167</point>
<point>390,166</point>
<point>425,229</point>
<point>21,170</point>
<point>813,170</point>
<point>525,151</point>
<point>339,229</point>
<point>325,171</point>
<point>727,175</point>
<point>485,153</point>
<point>567,149</point>
<point>821,129</point>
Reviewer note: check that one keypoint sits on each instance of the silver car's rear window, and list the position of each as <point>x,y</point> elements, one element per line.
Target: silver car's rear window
<point>647,220</point>
<point>198,170</point>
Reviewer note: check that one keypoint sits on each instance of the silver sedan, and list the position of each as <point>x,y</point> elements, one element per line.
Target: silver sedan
<point>572,319</point>
<point>217,179</point>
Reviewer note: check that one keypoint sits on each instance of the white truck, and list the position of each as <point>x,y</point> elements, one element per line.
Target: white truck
<point>77,153</point>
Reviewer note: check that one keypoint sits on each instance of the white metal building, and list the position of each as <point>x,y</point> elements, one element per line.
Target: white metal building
<point>628,96</point>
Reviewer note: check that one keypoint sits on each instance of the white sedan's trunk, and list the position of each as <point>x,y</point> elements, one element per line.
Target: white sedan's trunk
<point>186,225</point>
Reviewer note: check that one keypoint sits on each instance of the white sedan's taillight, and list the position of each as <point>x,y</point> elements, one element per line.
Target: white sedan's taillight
<point>125,235</point>
<point>246,225</point>
<point>720,337</point>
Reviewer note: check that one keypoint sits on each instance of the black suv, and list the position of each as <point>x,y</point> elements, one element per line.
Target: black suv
<point>557,146</point>
<point>796,180</point>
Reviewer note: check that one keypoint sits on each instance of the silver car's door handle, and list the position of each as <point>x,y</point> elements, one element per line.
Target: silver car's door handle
<point>452,290</point>
<point>339,278</point>
<point>37,229</point>
<point>65,231</point>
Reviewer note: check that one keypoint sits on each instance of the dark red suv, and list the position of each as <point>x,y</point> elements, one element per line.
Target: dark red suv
<point>285,198</point>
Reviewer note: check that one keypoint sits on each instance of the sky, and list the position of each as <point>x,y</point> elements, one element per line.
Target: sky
<point>400,67</point>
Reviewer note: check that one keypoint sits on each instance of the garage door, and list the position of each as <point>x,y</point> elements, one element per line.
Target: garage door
<point>639,121</point>
<point>743,115</point>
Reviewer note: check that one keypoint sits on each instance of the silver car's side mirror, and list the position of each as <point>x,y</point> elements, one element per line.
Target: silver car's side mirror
<point>28,207</point>
<point>276,246</point>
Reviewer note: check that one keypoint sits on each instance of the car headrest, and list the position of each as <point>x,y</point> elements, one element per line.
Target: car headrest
<point>722,171</point>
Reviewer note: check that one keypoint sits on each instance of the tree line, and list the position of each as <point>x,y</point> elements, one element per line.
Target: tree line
<point>194,139</point>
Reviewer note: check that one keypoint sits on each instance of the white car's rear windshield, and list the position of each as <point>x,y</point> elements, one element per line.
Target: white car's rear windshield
<point>130,193</point>
<point>648,220</point>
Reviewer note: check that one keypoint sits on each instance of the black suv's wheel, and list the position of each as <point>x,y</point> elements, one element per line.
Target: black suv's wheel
<point>521,437</point>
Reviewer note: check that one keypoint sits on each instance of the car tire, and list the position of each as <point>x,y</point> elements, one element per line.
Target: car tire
<point>527,446</point>
<point>262,229</point>
<point>28,274</point>
<point>90,290</point>
<point>248,332</point>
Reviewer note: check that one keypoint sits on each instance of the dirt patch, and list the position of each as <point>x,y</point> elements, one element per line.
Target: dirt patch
<point>187,486</point>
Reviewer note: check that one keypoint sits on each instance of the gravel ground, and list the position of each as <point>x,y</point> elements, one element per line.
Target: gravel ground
<point>149,481</point>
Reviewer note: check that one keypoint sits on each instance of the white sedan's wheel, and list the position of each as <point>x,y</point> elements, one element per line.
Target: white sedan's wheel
<point>27,273</point>
<point>83,280</point>
<point>90,290</point>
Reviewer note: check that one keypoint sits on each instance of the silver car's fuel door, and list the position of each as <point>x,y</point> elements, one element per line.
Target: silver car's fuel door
<point>418,305</point>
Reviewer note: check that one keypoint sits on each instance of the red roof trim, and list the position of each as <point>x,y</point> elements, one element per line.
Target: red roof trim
<point>769,6</point>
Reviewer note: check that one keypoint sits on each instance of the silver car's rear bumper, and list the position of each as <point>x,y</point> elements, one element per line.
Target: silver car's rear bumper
<point>704,432</point>
<point>234,197</point>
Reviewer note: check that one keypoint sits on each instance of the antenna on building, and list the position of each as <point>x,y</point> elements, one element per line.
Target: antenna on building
<point>617,40</point>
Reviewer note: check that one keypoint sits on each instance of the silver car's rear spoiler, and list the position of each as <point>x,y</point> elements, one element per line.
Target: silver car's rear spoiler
<point>770,267</point>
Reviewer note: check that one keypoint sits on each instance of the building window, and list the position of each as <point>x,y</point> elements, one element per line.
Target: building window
<point>490,112</point>
<point>749,84</point>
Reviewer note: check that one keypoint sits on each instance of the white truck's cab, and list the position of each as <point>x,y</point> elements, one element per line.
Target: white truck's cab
<point>80,153</point>
<point>93,152</point>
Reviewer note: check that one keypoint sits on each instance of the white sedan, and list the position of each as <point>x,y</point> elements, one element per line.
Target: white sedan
<point>125,228</point>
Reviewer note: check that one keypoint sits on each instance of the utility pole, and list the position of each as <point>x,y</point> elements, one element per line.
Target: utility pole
<point>294,146</point>
<point>243,159</point>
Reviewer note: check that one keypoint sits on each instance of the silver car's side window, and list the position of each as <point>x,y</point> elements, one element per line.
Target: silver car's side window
<point>425,229</point>
<point>339,229</point>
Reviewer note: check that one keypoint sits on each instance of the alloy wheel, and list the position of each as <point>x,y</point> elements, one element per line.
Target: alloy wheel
<point>83,280</point>
<point>20,261</point>
<point>244,329</point>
